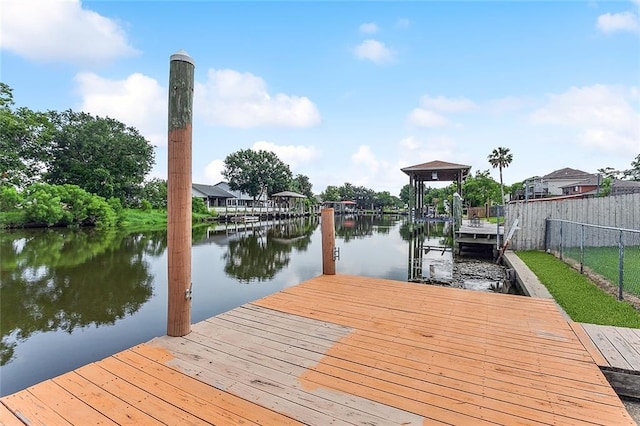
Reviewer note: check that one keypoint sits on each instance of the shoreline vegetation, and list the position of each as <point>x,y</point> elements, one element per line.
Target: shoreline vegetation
<point>129,220</point>
<point>43,205</point>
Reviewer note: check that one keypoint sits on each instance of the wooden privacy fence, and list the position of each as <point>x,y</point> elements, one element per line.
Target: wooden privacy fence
<point>620,211</point>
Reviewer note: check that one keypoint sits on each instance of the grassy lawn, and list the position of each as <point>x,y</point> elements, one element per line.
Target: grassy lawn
<point>580,298</point>
<point>139,220</point>
<point>135,219</point>
<point>605,261</point>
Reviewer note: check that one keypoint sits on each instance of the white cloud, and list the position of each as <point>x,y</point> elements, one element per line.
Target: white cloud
<point>428,114</point>
<point>602,117</point>
<point>137,101</point>
<point>374,51</point>
<point>425,118</point>
<point>293,155</point>
<point>415,151</point>
<point>364,156</point>
<point>623,21</point>
<point>46,30</point>
<point>234,99</point>
<point>409,143</point>
<point>369,28</point>
<point>213,171</point>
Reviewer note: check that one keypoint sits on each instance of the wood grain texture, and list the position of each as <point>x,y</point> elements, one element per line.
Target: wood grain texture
<point>342,349</point>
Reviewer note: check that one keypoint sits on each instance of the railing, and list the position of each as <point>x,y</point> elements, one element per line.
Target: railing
<point>608,252</point>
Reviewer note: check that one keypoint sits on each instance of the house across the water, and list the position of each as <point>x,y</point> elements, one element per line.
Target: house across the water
<point>221,195</point>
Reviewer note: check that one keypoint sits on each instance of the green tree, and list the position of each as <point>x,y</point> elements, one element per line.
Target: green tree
<point>347,192</point>
<point>609,172</point>
<point>101,155</point>
<point>198,206</point>
<point>634,172</point>
<point>605,187</point>
<point>383,199</point>
<point>256,172</point>
<point>302,185</point>
<point>331,193</point>
<point>10,198</point>
<point>364,197</point>
<point>155,192</point>
<point>406,194</point>
<point>480,188</point>
<point>500,158</point>
<point>25,142</point>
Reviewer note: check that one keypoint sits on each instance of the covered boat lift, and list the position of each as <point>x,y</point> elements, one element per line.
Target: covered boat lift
<point>433,171</point>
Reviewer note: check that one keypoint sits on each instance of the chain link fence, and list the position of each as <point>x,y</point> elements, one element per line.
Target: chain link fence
<point>606,252</point>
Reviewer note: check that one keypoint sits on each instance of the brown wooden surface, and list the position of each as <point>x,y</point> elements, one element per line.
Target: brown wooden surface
<point>620,346</point>
<point>328,241</point>
<point>179,215</point>
<point>588,344</point>
<point>342,349</point>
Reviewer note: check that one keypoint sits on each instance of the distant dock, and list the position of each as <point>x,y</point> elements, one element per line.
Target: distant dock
<point>341,349</point>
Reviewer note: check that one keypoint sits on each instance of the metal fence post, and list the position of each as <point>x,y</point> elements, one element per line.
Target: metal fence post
<point>560,248</point>
<point>582,249</point>
<point>620,266</point>
<point>547,235</point>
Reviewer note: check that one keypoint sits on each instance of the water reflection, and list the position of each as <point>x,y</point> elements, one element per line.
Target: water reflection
<point>430,258</point>
<point>64,279</point>
<point>256,252</point>
<point>69,298</point>
<point>350,227</point>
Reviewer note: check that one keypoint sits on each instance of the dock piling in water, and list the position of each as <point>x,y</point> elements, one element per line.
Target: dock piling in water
<point>328,242</point>
<point>181,78</point>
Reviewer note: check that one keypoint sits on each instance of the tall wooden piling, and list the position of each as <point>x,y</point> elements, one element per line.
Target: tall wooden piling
<point>181,78</point>
<point>328,242</point>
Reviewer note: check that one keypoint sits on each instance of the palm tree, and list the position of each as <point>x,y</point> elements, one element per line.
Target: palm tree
<point>500,158</point>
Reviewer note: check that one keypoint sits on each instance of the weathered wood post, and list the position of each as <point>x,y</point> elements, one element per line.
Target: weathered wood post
<point>181,77</point>
<point>328,242</point>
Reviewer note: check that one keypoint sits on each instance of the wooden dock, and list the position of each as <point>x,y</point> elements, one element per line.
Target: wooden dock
<point>477,235</point>
<point>617,351</point>
<point>342,349</point>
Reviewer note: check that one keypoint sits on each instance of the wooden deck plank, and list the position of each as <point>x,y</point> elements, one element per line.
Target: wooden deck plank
<point>181,400</point>
<point>432,346</point>
<point>26,407</point>
<point>627,341</point>
<point>438,324</point>
<point>574,351</point>
<point>504,379</point>
<point>592,349</point>
<point>349,350</point>
<point>8,417</point>
<point>363,318</point>
<point>245,409</point>
<point>258,369</point>
<point>438,383</point>
<point>142,399</point>
<point>234,381</point>
<point>295,361</point>
<point>109,405</point>
<point>72,409</point>
<point>608,350</point>
<point>446,310</point>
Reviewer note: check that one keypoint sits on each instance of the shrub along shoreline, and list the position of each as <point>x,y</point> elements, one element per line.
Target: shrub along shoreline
<point>581,299</point>
<point>45,206</point>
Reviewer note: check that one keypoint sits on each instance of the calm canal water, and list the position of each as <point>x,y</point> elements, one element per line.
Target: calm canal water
<point>71,297</point>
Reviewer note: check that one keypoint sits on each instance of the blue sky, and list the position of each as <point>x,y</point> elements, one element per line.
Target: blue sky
<point>347,91</point>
